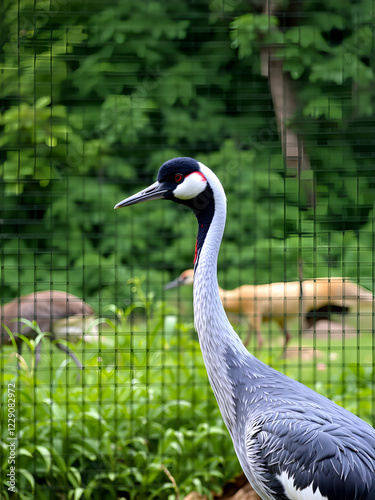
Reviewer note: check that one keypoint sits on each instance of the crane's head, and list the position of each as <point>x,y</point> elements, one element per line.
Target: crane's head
<point>187,181</point>
<point>185,278</point>
<point>182,180</point>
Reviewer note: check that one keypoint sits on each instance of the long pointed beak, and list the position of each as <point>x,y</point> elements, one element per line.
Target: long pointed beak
<point>173,284</point>
<point>154,192</point>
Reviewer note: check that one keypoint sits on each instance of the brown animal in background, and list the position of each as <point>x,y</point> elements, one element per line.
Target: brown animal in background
<point>54,312</point>
<point>284,302</point>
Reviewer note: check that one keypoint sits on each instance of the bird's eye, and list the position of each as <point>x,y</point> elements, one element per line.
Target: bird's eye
<point>178,177</point>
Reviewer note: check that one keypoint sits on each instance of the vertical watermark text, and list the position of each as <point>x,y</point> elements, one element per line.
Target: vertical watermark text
<point>12,440</point>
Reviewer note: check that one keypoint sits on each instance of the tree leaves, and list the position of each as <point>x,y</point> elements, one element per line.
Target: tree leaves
<point>93,108</point>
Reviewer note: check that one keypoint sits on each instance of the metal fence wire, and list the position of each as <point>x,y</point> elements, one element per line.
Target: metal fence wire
<point>103,386</point>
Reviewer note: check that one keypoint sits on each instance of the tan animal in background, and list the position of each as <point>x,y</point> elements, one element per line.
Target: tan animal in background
<point>284,302</point>
<point>59,313</point>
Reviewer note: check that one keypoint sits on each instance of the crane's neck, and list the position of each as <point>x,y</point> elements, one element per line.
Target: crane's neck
<point>216,335</point>
<point>210,319</point>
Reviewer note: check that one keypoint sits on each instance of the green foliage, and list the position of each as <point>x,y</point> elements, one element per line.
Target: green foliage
<point>141,419</point>
<point>329,56</point>
<point>93,103</point>
<point>93,100</point>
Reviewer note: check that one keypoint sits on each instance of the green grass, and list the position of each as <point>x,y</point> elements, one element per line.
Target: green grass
<point>140,421</point>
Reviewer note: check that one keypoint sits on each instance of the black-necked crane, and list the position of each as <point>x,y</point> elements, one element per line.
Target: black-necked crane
<point>292,443</point>
<point>62,314</point>
<point>285,302</point>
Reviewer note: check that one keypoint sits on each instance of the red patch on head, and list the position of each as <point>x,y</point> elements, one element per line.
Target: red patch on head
<point>195,256</point>
<point>203,178</point>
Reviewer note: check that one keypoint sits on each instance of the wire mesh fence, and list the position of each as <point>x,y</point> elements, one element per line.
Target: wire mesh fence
<point>104,389</point>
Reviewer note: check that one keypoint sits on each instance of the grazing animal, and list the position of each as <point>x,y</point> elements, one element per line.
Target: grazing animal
<point>292,443</point>
<point>285,302</point>
<point>58,313</point>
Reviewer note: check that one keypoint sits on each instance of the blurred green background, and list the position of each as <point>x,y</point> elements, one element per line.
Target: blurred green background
<point>95,96</point>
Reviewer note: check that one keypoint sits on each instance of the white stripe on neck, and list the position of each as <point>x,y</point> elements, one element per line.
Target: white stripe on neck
<point>211,323</point>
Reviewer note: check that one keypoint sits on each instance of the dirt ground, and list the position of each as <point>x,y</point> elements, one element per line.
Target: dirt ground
<point>238,489</point>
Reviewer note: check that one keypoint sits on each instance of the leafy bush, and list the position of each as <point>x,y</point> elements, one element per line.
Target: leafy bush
<point>141,423</point>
